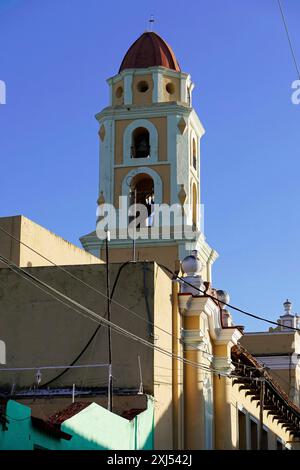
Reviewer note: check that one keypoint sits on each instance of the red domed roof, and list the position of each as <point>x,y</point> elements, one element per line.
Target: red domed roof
<point>149,50</point>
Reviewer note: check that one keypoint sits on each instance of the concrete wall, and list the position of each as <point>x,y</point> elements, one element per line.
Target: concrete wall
<point>40,331</point>
<point>278,350</point>
<point>41,240</point>
<point>166,254</point>
<point>269,343</point>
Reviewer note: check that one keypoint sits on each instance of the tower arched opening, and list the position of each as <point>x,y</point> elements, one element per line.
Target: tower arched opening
<point>142,192</point>
<point>140,146</point>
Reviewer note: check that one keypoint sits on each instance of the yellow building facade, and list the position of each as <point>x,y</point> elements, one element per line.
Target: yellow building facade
<point>150,139</point>
<point>209,390</point>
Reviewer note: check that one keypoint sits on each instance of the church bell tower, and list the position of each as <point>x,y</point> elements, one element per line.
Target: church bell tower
<point>150,155</point>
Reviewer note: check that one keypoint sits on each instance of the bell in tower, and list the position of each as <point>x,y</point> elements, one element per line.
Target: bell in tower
<point>140,143</point>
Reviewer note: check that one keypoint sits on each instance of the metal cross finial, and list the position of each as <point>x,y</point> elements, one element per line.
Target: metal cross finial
<point>151,22</point>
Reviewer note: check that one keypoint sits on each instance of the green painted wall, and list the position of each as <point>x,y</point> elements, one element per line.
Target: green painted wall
<point>17,436</point>
<point>21,435</point>
<point>94,428</point>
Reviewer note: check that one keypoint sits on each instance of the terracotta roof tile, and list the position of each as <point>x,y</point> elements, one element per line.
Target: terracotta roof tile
<point>238,352</point>
<point>149,50</point>
<point>58,418</point>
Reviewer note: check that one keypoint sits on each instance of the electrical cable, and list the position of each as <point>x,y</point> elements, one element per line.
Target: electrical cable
<point>289,38</point>
<point>191,286</point>
<point>18,369</point>
<point>115,327</point>
<point>93,335</point>
<point>101,293</point>
<point>115,283</point>
<point>88,285</point>
<point>225,303</point>
<point>145,342</point>
<point>159,264</point>
<point>117,277</point>
<point>206,368</point>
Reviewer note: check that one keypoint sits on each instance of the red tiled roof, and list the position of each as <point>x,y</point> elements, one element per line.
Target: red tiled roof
<point>149,50</point>
<point>132,413</point>
<point>58,418</point>
<point>238,352</point>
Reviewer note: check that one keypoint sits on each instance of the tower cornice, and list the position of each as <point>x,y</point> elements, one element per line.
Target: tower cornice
<point>136,112</point>
<point>156,110</point>
<point>163,70</point>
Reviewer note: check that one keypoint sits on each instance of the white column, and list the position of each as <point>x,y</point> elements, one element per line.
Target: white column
<point>183,89</point>
<point>157,86</point>
<point>128,88</point>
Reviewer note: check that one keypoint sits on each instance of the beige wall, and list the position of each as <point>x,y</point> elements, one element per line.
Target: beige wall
<point>40,331</point>
<point>37,329</point>
<point>166,255</point>
<point>175,96</point>
<point>139,98</point>
<point>42,241</point>
<point>118,93</point>
<point>269,343</point>
<point>274,344</point>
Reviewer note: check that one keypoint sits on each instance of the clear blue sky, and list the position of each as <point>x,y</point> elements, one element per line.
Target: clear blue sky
<point>55,56</point>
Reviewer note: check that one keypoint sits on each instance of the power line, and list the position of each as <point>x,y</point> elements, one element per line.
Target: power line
<point>182,279</point>
<point>163,351</point>
<point>206,368</point>
<point>171,272</point>
<point>134,313</point>
<point>97,291</point>
<point>18,369</point>
<point>162,266</point>
<point>116,328</point>
<point>289,38</point>
<point>95,332</point>
<point>94,316</point>
<point>80,280</point>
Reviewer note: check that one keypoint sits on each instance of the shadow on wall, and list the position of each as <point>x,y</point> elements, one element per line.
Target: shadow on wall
<point>96,428</point>
<point>93,428</point>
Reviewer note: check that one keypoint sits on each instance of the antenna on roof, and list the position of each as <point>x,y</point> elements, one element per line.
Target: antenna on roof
<point>73,393</point>
<point>151,22</point>
<point>141,387</point>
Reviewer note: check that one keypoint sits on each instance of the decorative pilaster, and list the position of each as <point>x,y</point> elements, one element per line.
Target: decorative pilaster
<point>195,341</point>
<point>128,88</point>
<point>223,386</point>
